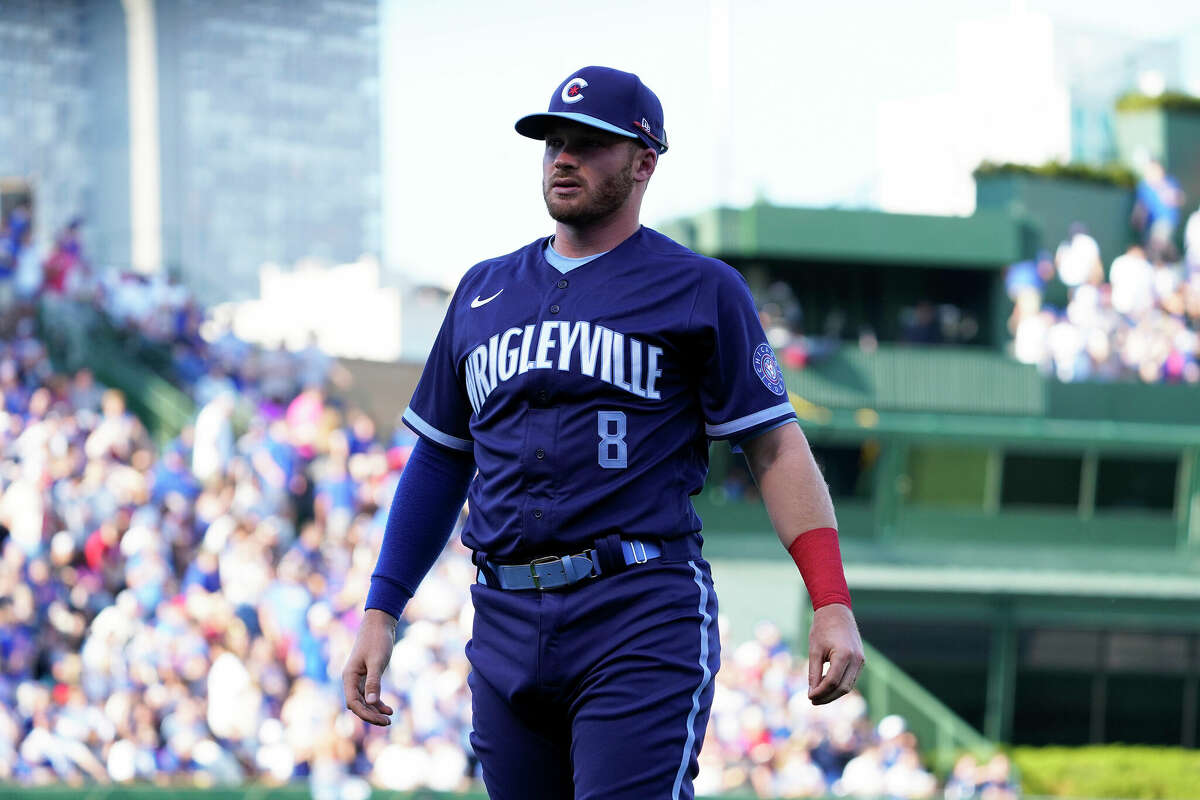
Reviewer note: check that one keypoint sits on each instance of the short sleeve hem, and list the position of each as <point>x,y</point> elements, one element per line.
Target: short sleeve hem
<point>423,428</point>
<point>757,432</point>
<point>726,430</point>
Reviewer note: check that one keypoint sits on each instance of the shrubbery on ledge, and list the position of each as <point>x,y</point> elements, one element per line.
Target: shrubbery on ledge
<point>1107,175</point>
<point>1167,101</point>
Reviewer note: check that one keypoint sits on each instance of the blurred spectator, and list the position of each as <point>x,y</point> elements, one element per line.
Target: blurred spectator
<point>1167,280</point>
<point>1078,258</point>
<point>304,418</point>
<point>865,776</point>
<point>1191,243</point>
<point>795,774</point>
<point>963,781</point>
<point>277,377</point>
<point>1157,204</point>
<point>1132,280</point>
<point>313,364</point>
<point>27,268</point>
<point>20,267</point>
<point>907,778</point>
<point>64,266</point>
<point>14,228</point>
<point>1030,276</point>
<point>920,325</point>
<point>1031,335</point>
<point>997,782</point>
<point>1067,344</point>
<point>213,440</point>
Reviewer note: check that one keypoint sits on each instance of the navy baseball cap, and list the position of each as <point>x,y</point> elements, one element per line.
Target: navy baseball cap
<point>603,98</point>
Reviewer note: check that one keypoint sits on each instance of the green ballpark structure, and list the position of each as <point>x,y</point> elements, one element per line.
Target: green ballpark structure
<point>1026,550</point>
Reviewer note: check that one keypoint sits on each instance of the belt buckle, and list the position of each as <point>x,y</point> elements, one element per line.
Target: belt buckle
<point>593,558</point>
<point>537,582</point>
<point>634,544</point>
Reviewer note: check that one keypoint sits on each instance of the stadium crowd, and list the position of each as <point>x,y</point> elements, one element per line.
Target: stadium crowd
<point>179,613</point>
<point>922,323</point>
<point>1140,322</point>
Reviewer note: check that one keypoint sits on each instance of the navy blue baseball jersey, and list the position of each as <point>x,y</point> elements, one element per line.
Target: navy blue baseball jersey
<point>589,398</point>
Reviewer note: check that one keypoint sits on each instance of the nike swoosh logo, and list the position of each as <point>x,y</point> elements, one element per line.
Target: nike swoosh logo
<point>476,303</point>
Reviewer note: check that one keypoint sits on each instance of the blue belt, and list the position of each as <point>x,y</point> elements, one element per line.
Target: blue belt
<point>555,572</point>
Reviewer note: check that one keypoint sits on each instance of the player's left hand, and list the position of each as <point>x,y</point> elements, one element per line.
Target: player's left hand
<point>833,638</point>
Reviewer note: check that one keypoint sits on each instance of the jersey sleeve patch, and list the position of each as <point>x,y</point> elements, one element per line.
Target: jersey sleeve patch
<point>767,368</point>
<point>423,428</point>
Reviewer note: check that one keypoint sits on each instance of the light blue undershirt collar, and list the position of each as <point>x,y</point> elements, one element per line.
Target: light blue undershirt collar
<point>565,264</point>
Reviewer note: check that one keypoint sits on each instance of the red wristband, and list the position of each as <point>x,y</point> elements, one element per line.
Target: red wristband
<point>819,558</point>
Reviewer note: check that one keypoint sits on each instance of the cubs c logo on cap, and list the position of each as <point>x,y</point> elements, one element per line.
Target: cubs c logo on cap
<point>573,91</point>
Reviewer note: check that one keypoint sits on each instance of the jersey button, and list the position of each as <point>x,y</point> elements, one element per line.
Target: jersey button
<point>540,453</point>
<point>554,309</point>
<point>562,284</point>
<point>537,513</point>
<point>542,396</point>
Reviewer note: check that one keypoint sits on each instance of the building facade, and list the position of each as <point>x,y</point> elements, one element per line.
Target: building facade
<point>270,136</point>
<point>47,107</point>
<point>215,135</point>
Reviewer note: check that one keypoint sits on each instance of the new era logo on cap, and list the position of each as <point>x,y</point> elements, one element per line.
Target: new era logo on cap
<point>615,101</point>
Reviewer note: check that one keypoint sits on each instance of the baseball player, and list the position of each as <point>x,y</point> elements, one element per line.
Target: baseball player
<point>571,395</point>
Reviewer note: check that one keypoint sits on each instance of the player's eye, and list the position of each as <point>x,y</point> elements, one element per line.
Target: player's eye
<point>553,143</point>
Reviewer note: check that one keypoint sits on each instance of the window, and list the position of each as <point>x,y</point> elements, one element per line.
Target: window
<point>1136,483</point>
<point>1041,480</point>
<point>848,469</point>
<point>947,476</point>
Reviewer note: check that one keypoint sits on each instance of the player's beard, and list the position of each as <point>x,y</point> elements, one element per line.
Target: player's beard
<point>609,195</point>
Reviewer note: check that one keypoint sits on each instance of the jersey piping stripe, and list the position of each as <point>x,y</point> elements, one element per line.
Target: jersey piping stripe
<point>444,439</point>
<point>748,421</point>
<point>706,676</point>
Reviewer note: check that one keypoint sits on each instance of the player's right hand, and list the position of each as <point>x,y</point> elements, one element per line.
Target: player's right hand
<point>364,668</point>
<point>833,638</point>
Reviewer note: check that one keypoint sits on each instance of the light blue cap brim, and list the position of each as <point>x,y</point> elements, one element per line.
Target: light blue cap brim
<point>534,125</point>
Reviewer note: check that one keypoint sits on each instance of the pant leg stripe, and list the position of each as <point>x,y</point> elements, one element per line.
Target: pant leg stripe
<point>706,676</point>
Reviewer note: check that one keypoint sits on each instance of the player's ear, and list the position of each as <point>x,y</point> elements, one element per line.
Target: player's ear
<point>644,162</point>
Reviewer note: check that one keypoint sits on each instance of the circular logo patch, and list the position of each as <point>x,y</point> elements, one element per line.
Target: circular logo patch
<point>768,369</point>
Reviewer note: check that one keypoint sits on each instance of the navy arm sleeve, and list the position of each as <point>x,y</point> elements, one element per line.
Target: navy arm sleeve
<point>429,496</point>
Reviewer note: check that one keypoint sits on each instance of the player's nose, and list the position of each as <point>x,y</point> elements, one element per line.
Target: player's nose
<point>565,159</point>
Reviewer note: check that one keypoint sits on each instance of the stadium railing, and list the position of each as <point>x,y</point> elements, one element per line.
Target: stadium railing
<point>941,734</point>
<point>75,338</point>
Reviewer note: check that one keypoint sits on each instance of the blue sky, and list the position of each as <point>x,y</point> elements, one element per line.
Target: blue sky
<point>797,127</point>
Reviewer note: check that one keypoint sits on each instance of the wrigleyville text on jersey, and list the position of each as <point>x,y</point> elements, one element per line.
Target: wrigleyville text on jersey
<point>592,350</point>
